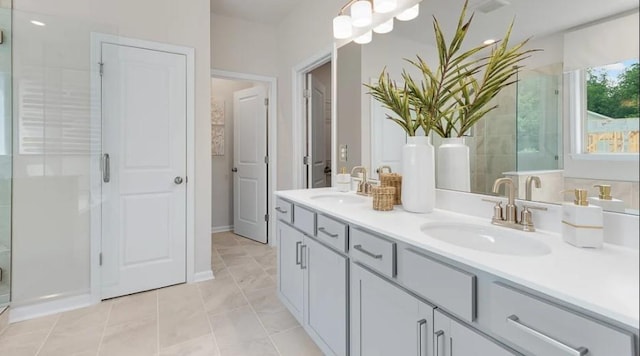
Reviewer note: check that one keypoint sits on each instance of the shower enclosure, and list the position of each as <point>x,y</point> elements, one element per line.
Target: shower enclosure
<point>5,154</point>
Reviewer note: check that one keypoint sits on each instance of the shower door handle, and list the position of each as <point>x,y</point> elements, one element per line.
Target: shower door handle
<point>106,168</point>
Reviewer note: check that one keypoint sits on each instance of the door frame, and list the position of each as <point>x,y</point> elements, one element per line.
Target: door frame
<point>299,124</point>
<point>272,138</point>
<point>97,39</point>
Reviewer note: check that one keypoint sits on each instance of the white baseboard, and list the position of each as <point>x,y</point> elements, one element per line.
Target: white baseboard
<point>217,229</point>
<point>202,276</point>
<point>27,312</point>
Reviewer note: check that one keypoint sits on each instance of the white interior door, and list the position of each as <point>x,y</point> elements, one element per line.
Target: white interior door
<point>144,182</point>
<point>316,135</point>
<point>390,134</point>
<point>249,162</point>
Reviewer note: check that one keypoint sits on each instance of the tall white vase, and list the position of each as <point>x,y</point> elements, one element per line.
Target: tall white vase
<point>453,165</point>
<point>418,175</point>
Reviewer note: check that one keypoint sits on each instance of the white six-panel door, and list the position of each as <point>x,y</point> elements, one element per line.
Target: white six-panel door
<point>316,125</point>
<point>250,167</point>
<point>144,176</point>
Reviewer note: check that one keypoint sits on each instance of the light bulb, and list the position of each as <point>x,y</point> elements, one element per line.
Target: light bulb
<point>38,23</point>
<point>410,13</point>
<point>384,6</point>
<point>384,27</point>
<point>361,15</point>
<point>342,27</point>
<point>365,38</point>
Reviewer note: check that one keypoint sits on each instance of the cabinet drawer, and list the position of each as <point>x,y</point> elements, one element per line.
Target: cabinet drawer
<point>542,328</point>
<point>304,219</point>
<point>284,210</point>
<point>373,251</point>
<point>332,232</point>
<point>446,286</point>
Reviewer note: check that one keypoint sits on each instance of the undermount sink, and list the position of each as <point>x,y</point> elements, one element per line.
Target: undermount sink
<point>486,238</point>
<point>344,198</point>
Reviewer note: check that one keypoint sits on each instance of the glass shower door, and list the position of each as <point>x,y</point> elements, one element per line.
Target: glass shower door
<point>5,157</point>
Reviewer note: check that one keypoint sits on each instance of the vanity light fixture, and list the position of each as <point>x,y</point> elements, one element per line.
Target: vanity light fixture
<point>342,27</point>
<point>38,23</point>
<point>365,38</point>
<point>361,13</point>
<point>410,13</point>
<point>384,6</point>
<point>384,27</point>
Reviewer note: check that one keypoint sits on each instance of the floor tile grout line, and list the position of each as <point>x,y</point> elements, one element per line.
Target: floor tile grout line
<point>204,308</point>
<point>106,323</point>
<point>233,278</point>
<point>55,323</point>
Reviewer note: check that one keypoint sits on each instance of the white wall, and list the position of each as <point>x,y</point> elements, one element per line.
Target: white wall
<point>221,176</point>
<point>52,85</point>
<point>243,46</point>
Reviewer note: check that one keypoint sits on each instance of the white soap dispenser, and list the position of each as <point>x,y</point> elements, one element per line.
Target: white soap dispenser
<point>582,224</point>
<point>343,180</point>
<point>606,201</point>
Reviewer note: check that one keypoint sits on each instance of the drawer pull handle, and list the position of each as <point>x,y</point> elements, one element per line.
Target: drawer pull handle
<point>302,257</point>
<point>280,210</point>
<point>324,231</point>
<point>515,321</point>
<point>373,255</point>
<point>439,346</point>
<point>298,259</point>
<point>421,331</point>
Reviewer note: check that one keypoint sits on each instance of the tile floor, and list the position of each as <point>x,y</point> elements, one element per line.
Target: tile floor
<point>238,313</point>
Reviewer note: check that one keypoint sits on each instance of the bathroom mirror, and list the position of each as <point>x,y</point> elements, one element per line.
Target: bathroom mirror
<point>5,154</point>
<point>532,131</point>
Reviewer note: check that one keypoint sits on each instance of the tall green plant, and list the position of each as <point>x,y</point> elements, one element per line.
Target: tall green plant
<point>452,97</point>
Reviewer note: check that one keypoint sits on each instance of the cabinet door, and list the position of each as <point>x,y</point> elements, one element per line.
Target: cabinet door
<point>290,273</point>
<point>386,320</point>
<point>454,339</point>
<point>325,292</point>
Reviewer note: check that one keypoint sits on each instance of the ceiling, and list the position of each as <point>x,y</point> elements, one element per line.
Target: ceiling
<point>262,11</point>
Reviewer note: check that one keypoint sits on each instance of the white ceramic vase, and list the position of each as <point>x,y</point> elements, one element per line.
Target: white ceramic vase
<point>418,175</point>
<point>453,165</point>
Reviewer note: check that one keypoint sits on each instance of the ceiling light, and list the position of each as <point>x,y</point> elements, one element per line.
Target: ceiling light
<point>384,6</point>
<point>38,23</point>
<point>361,14</point>
<point>364,39</point>
<point>384,27</point>
<point>410,13</point>
<point>489,41</point>
<point>342,27</point>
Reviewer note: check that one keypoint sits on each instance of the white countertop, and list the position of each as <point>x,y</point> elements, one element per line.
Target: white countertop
<point>604,281</point>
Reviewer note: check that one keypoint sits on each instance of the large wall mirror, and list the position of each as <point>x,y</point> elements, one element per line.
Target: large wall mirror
<point>571,119</point>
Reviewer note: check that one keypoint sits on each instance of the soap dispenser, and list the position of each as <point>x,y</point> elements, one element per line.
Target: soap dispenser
<point>582,224</point>
<point>343,180</point>
<point>605,200</point>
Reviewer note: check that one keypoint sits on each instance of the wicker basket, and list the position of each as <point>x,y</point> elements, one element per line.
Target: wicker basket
<point>393,180</point>
<point>383,198</point>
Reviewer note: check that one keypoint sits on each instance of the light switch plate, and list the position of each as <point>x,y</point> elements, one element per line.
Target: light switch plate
<point>343,153</point>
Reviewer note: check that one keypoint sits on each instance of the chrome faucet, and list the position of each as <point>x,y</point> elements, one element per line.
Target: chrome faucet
<point>511,209</point>
<point>364,187</point>
<point>526,221</point>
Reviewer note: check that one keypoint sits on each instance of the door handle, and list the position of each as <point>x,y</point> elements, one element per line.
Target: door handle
<point>302,259</point>
<point>177,180</point>
<point>106,168</point>
<point>324,231</point>
<point>370,254</point>
<point>298,261</point>
<point>421,330</point>
<point>439,346</point>
<point>234,169</point>
<point>515,321</point>
<point>280,210</point>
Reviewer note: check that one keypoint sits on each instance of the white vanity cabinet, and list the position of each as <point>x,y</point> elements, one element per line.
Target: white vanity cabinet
<point>313,278</point>
<point>452,338</point>
<point>385,320</point>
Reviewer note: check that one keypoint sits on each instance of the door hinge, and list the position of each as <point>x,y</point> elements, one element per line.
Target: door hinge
<point>306,160</point>
<point>266,217</point>
<point>101,68</point>
<point>556,91</point>
<point>306,93</point>
<point>266,101</point>
<point>100,258</point>
<point>266,159</point>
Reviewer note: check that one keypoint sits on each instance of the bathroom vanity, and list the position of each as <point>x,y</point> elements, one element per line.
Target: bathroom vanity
<point>364,283</point>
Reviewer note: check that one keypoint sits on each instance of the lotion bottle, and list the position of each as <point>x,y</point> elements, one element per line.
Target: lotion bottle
<point>343,180</point>
<point>606,201</point>
<point>582,224</point>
